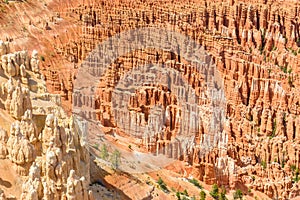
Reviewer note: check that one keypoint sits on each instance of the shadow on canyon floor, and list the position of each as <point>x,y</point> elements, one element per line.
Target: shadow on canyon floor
<point>6,184</point>
<point>98,177</point>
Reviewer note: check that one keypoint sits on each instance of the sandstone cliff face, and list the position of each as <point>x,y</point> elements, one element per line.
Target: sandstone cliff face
<point>255,47</point>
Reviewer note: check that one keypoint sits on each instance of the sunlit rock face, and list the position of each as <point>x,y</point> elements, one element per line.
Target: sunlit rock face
<point>254,46</point>
<point>255,52</point>
<point>45,151</point>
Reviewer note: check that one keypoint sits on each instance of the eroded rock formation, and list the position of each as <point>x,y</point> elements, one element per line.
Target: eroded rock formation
<point>41,142</point>
<point>254,45</point>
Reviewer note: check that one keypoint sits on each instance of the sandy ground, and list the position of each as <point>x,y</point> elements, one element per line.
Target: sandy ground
<point>9,181</point>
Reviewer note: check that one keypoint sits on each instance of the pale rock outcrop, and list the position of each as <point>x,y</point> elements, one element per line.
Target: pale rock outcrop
<point>28,128</point>
<point>77,188</point>
<point>12,63</point>
<point>32,188</point>
<point>20,151</point>
<point>17,98</point>
<point>2,195</point>
<point>3,141</point>
<point>34,62</point>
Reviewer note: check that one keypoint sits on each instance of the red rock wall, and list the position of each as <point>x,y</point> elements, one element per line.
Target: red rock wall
<point>255,47</point>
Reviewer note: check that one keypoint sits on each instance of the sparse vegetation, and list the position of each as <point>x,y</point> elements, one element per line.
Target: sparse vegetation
<point>178,195</point>
<point>238,194</point>
<point>274,128</point>
<point>214,191</point>
<point>263,164</point>
<point>290,81</point>
<point>42,58</point>
<point>222,195</point>
<point>293,167</point>
<point>284,69</point>
<point>295,173</point>
<point>216,194</point>
<point>202,195</point>
<point>116,159</point>
<point>96,146</point>
<point>296,178</point>
<point>196,183</point>
<point>185,193</point>
<point>162,185</point>
<point>104,152</point>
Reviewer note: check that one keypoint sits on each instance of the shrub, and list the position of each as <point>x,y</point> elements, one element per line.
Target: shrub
<point>96,146</point>
<point>185,193</point>
<point>214,191</point>
<point>290,81</point>
<point>42,58</point>
<point>238,194</point>
<point>104,152</point>
<point>178,195</point>
<point>296,178</point>
<point>222,195</point>
<point>202,195</point>
<point>263,164</point>
<point>293,167</point>
<point>196,183</point>
<point>162,185</point>
<point>116,159</point>
<point>284,69</point>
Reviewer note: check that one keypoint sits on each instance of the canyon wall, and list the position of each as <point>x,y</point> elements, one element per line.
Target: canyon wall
<point>254,45</point>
